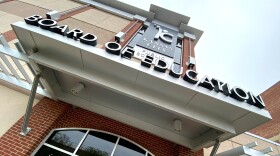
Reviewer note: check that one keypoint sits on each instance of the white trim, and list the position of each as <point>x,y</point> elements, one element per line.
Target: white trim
<point>21,83</point>
<point>264,139</point>
<point>4,69</point>
<point>80,143</point>
<point>9,65</point>
<point>116,144</point>
<point>21,69</point>
<point>58,149</point>
<point>13,53</point>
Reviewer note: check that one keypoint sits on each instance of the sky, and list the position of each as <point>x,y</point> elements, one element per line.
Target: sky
<point>241,40</point>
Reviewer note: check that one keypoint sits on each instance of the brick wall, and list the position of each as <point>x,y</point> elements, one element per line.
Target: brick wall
<point>272,100</point>
<point>48,114</point>
<point>9,35</point>
<point>44,117</point>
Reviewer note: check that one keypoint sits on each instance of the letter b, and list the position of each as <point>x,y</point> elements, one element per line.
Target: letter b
<point>33,20</point>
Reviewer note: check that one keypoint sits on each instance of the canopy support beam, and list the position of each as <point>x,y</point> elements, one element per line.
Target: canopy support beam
<point>24,128</point>
<point>215,148</point>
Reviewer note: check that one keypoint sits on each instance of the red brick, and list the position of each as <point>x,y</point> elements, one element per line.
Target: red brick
<point>9,35</point>
<point>61,115</point>
<point>272,100</point>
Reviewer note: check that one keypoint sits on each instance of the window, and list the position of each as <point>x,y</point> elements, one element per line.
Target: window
<point>84,142</point>
<point>127,148</point>
<point>98,143</point>
<point>66,140</point>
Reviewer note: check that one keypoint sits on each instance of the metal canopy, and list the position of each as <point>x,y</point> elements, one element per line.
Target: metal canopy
<point>124,90</point>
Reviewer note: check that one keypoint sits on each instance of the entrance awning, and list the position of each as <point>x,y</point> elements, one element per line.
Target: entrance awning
<point>124,90</point>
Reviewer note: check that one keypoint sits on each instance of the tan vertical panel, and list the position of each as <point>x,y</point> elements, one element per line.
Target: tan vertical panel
<point>103,35</point>
<point>22,9</point>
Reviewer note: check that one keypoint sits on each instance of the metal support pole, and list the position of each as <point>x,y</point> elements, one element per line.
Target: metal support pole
<point>24,128</point>
<point>215,148</point>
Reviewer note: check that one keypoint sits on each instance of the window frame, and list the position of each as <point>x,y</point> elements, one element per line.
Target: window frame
<point>43,142</point>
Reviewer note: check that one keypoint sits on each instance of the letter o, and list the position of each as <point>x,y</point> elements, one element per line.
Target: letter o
<point>239,94</point>
<point>47,23</point>
<point>113,48</point>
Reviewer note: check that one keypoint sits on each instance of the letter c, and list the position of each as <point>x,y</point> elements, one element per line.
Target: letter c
<point>190,76</point>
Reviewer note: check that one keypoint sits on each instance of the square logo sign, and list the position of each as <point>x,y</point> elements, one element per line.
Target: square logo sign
<point>159,39</point>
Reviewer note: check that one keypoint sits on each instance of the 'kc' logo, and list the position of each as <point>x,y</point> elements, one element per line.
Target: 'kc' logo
<point>163,35</point>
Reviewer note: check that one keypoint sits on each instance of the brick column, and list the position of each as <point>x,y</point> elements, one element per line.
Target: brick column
<point>186,53</point>
<point>134,27</point>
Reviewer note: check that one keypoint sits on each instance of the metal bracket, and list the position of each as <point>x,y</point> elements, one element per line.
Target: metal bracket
<point>190,36</point>
<point>139,18</point>
<point>24,133</point>
<point>24,129</point>
<point>215,148</point>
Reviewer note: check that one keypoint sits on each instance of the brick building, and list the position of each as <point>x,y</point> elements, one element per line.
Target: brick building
<point>133,91</point>
<point>271,129</point>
